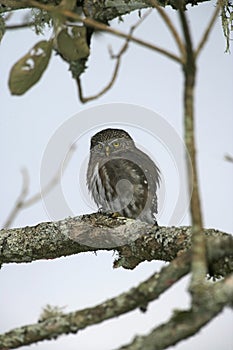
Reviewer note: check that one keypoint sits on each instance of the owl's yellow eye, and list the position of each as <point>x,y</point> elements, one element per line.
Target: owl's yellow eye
<point>116,144</point>
<point>100,146</point>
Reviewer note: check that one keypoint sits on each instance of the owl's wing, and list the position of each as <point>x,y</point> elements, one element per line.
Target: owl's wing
<point>104,181</point>
<point>151,173</point>
<point>147,165</point>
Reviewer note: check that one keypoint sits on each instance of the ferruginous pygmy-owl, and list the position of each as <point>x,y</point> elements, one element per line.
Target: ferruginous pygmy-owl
<point>122,178</point>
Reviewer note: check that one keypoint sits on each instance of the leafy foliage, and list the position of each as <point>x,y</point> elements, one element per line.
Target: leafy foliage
<point>71,43</point>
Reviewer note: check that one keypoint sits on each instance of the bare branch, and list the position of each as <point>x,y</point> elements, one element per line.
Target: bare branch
<point>23,203</point>
<point>104,90</point>
<point>171,27</point>
<point>20,26</point>
<point>207,31</point>
<point>199,264</point>
<point>118,60</point>
<point>53,182</point>
<point>20,201</point>
<point>117,66</point>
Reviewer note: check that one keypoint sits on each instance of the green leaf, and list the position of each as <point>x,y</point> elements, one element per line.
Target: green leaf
<point>72,44</point>
<point>27,71</point>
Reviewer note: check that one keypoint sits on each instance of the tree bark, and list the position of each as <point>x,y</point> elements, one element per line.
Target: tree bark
<point>134,240</point>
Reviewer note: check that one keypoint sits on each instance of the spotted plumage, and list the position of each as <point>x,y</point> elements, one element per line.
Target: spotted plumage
<point>122,178</point>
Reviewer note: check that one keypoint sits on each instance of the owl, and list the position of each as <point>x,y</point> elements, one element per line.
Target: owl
<point>122,178</point>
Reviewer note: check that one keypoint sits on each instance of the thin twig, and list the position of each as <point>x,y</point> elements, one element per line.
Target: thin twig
<point>19,26</point>
<point>53,182</point>
<point>117,66</point>
<point>199,264</point>
<point>171,27</point>
<point>207,31</point>
<point>190,73</point>
<point>22,202</point>
<point>104,90</point>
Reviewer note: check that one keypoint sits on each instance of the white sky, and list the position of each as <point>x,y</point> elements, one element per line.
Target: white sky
<point>28,124</point>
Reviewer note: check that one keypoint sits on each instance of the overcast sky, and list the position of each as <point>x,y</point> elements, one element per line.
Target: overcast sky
<point>151,85</point>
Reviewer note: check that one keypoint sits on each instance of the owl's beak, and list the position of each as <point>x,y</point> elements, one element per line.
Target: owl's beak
<point>107,150</point>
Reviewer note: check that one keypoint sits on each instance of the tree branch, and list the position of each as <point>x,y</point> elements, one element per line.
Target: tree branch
<point>90,22</point>
<point>20,200</point>
<point>110,10</point>
<point>183,324</point>
<point>145,292</point>
<point>171,27</point>
<point>23,202</point>
<point>73,322</point>
<point>199,263</point>
<point>135,241</point>
<point>207,31</point>
<point>20,26</point>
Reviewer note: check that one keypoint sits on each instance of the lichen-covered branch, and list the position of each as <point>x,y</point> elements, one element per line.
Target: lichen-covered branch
<point>184,324</point>
<point>134,240</point>
<point>72,322</point>
<point>137,297</point>
<point>102,10</point>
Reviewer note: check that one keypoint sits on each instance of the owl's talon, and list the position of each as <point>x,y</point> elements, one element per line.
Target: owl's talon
<point>112,214</point>
<point>116,215</point>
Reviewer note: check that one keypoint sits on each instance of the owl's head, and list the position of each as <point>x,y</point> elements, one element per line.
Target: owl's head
<point>109,141</point>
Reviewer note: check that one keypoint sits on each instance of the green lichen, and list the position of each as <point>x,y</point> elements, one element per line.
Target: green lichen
<point>227,22</point>
<point>50,311</point>
<point>41,20</point>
